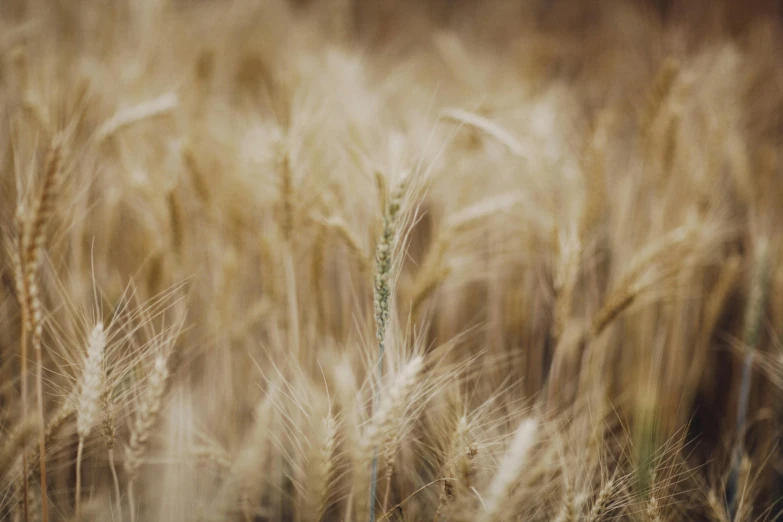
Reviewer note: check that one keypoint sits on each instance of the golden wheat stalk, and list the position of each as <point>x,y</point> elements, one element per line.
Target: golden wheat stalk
<point>32,235</point>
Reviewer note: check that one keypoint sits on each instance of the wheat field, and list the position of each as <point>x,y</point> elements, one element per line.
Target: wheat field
<point>391,261</point>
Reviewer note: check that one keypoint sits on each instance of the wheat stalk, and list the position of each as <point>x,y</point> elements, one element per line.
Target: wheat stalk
<point>108,429</point>
<point>382,298</point>
<point>32,235</point>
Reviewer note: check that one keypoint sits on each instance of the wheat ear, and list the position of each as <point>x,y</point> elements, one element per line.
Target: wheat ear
<point>601,501</point>
<point>323,469</point>
<point>459,472</point>
<point>15,440</point>
<point>653,510</point>
<point>395,403</point>
<point>53,428</point>
<point>88,409</point>
<point>632,283</point>
<point>32,235</point>
<point>567,513</point>
<point>146,416</point>
<point>514,461</point>
<point>382,297</point>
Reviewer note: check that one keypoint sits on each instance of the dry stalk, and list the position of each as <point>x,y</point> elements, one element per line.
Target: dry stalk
<point>382,299</point>
<point>31,239</point>
<point>146,415</point>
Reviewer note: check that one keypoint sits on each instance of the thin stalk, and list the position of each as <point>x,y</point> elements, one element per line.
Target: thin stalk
<point>375,403</point>
<point>77,500</point>
<point>388,487</point>
<point>41,425</point>
<point>26,481</point>
<point>116,483</point>
<point>131,504</point>
<point>382,296</point>
<point>753,316</point>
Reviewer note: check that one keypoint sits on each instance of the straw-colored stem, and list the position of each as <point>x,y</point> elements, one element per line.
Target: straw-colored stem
<point>26,480</point>
<point>131,501</point>
<point>41,425</point>
<point>389,472</point>
<point>77,499</point>
<point>116,484</point>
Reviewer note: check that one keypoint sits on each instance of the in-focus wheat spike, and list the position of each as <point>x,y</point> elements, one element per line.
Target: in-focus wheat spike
<point>384,259</point>
<point>514,462</point>
<point>141,430</point>
<point>88,411</point>
<point>601,502</point>
<point>91,383</point>
<point>382,299</point>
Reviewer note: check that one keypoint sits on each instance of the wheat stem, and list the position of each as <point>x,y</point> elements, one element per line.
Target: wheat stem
<point>384,253</point>
<point>116,483</point>
<point>77,500</point>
